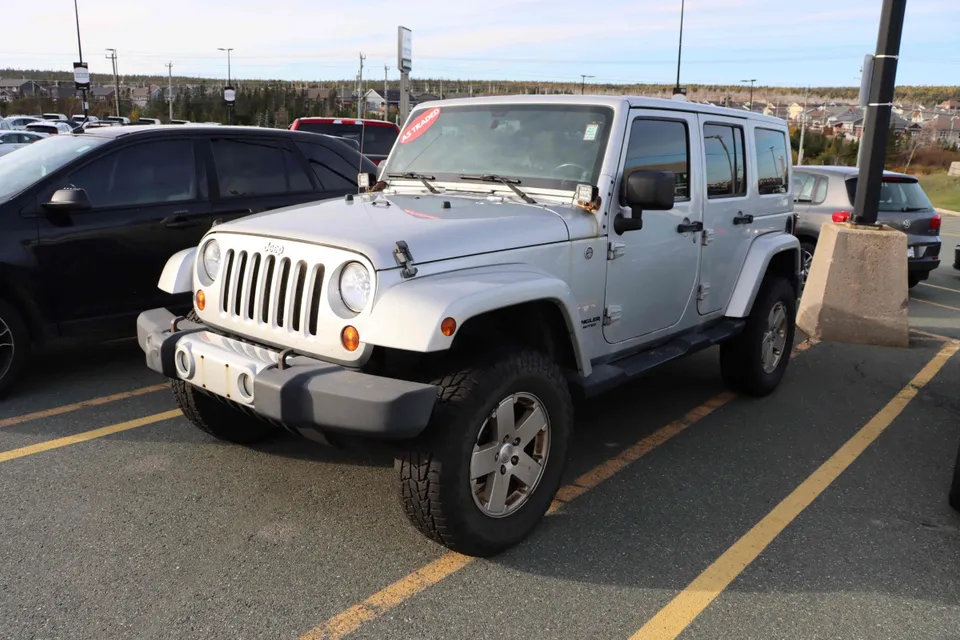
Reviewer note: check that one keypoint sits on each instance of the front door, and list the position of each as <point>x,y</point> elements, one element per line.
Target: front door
<point>102,266</point>
<point>727,216</point>
<point>652,272</point>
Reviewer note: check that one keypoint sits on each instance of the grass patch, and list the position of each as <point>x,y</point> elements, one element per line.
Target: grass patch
<point>943,190</point>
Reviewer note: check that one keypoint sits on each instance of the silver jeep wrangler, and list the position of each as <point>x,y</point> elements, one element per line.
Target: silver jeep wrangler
<point>513,253</point>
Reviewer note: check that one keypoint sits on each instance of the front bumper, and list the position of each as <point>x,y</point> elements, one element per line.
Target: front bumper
<point>306,394</point>
<point>927,258</point>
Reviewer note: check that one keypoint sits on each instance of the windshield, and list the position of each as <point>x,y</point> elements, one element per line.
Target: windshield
<point>548,146</point>
<point>377,140</point>
<point>31,163</point>
<point>896,195</point>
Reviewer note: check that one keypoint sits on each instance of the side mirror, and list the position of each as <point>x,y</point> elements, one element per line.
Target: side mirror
<point>642,189</point>
<point>68,200</point>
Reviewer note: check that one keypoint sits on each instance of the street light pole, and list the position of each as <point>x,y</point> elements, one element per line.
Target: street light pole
<point>879,105</point>
<point>116,79</point>
<point>83,92</point>
<point>751,92</point>
<point>676,89</point>
<point>583,82</point>
<point>229,85</point>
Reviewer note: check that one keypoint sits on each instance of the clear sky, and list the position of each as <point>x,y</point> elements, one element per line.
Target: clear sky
<point>810,42</point>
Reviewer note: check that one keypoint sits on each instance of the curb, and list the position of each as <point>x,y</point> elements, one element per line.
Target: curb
<point>947,212</point>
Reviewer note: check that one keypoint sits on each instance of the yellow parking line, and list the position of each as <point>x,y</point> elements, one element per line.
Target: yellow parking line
<point>935,304</point>
<point>13,454</point>
<point>93,402</point>
<point>348,621</point>
<point>934,336</point>
<point>683,609</point>
<point>936,286</point>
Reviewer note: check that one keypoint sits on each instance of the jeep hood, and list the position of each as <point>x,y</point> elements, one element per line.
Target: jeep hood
<point>435,227</point>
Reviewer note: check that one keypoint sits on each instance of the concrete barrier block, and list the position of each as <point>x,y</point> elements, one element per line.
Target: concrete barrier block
<point>856,290</point>
<point>954,169</point>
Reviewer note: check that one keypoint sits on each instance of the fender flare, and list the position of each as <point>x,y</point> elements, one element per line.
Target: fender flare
<point>761,252</point>
<point>408,315</point>
<point>177,274</point>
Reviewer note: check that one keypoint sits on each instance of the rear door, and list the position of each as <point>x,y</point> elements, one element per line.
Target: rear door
<point>904,205</point>
<point>726,209</point>
<point>149,202</point>
<point>335,169</point>
<point>251,174</point>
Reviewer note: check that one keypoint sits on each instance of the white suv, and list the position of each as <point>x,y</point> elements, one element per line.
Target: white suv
<point>515,252</point>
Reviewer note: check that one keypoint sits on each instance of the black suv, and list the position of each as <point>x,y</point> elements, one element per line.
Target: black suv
<point>88,220</point>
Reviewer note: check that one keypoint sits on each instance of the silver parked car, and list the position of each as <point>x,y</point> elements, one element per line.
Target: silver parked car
<point>20,122</point>
<point>52,127</point>
<point>820,192</point>
<point>12,140</point>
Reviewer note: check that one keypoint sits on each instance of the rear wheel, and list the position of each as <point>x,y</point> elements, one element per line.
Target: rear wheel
<point>955,486</point>
<point>491,460</point>
<point>913,280</point>
<point>806,260</point>
<point>14,346</point>
<point>754,362</point>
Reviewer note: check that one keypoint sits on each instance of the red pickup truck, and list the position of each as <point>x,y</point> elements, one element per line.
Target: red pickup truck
<point>375,137</point>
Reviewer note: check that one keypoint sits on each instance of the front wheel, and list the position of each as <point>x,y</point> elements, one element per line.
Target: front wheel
<point>955,485</point>
<point>754,362</point>
<point>484,473</point>
<point>14,346</point>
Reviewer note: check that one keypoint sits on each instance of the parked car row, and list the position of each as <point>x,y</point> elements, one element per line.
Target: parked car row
<point>13,140</point>
<point>111,205</point>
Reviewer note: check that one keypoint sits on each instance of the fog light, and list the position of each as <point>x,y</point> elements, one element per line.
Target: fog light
<point>201,299</point>
<point>350,338</point>
<point>448,326</point>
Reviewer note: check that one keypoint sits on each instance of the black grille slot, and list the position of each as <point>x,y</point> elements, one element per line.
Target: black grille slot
<point>225,303</point>
<point>282,297</point>
<point>270,262</point>
<point>300,277</point>
<point>254,275</point>
<point>315,301</point>
<point>241,271</point>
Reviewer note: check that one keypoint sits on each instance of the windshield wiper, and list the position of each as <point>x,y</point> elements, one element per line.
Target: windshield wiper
<point>510,182</point>
<point>907,209</point>
<point>412,175</point>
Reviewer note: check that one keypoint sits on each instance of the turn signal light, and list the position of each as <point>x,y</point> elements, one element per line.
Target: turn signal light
<point>448,326</point>
<point>350,338</point>
<point>201,299</point>
<point>841,216</point>
<point>935,222</point>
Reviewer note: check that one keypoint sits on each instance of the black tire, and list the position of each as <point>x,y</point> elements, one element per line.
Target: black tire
<point>13,359</point>
<point>913,280</point>
<point>741,359</point>
<point>436,490</point>
<point>955,485</point>
<point>217,417</point>
<point>806,248</point>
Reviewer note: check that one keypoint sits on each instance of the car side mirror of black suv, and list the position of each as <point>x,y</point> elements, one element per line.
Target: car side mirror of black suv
<point>68,200</point>
<point>652,190</point>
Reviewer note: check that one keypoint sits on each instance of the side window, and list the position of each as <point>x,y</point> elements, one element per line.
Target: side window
<point>252,167</point>
<point>661,145</point>
<point>773,161</point>
<point>723,147</point>
<point>149,173</point>
<point>820,192</point>
<point>333,171</point>
<point>803,186</point>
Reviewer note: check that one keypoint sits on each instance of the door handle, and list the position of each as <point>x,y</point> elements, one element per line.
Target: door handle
<point>180,222</point>
<point>687,226</point>
<point>740,218</point>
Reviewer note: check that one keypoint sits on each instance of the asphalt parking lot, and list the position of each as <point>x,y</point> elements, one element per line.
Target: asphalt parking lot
<point>817,512</point>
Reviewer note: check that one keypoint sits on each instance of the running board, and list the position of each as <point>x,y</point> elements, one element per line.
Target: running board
<point>613,374</point>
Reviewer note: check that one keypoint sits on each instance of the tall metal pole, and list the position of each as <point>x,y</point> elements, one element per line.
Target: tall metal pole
<point>751,91</point>
<point>229,104</point>
<point>83,92</point>
<point>679,48</point>
<point>116,79</point>
<point>386,93</point>
<point>360,88</point>
<point>170,91</point>
<point>583,82</point>
<point>803,125</point>
<point>877,126</point>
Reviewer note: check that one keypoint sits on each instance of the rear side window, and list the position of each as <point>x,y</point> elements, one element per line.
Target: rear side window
<point>896,195</point>
<point>773,161</point>
<point>334,171</point>
<point>661,145</point>
<point>723,147</point>
<point>373,139</point>
<point>251,167</point>
<point>144,174</point>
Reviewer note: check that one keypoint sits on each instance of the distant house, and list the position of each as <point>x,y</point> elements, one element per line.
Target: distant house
<point>947,128</point>
<point>375,102</point>
<point>141,96</point>
<point>20,88</point>
<point>950,105</point>
<point>102,94</point>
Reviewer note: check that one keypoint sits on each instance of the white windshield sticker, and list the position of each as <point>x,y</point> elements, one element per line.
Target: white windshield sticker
<point>590,134</point>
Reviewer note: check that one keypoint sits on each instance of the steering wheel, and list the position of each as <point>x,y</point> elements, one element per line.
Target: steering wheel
<point>570,164</point>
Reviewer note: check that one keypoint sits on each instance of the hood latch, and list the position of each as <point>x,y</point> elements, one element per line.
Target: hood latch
<point>404,259</point>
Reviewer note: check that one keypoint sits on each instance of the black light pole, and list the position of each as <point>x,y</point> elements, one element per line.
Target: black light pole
<point>583,82</point>
<point>229,87</point>
<point>676,89</point>
<point>880,100</point>
<point>751,91</point>
<point>83,92</point>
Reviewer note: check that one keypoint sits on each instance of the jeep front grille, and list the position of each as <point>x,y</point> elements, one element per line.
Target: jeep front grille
<point>271,290</point>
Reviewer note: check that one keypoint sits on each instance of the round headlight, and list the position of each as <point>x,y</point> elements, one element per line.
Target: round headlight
<point>355,286</point>
<point>210,259</point>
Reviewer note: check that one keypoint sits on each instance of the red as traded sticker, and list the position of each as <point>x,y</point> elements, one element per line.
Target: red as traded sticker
<point>420,126</point>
